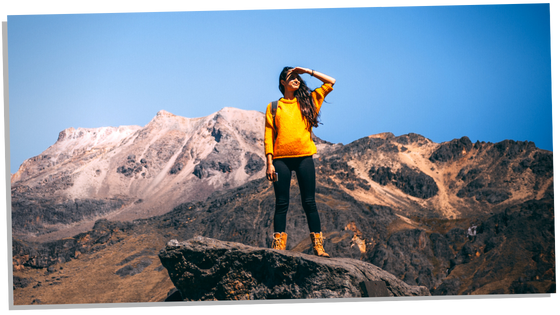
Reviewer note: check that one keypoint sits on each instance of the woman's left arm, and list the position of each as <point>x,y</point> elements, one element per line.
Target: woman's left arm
<point>321,76</point>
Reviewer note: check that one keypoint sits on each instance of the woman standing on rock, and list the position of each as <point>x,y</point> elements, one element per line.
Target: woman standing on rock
<point>289,147</point>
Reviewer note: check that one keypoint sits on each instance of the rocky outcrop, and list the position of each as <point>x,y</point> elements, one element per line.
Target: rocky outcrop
<point>338,168</point>
<point>452,150</point>
<point>209,269</point>
<point>409,181</point>
<point>420,178</point>
<point>254,163</point>
<point>132,167</point>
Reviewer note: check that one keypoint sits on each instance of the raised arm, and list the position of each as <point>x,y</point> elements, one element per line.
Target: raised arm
<point>321,76</point>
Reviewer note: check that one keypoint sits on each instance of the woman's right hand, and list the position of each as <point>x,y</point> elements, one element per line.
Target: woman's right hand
<point>270,172</point>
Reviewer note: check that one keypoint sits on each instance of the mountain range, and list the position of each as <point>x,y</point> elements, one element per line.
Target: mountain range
<point>403,203</point>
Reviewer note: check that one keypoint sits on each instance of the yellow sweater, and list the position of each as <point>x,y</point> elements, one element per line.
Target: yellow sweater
<point>293,137</point>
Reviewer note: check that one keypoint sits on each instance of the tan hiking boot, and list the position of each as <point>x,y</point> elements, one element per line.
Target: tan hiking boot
<point>317,241</point>
<point>279,241</point>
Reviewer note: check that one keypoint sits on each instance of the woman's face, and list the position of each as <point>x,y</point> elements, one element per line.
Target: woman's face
<point>291,83</point>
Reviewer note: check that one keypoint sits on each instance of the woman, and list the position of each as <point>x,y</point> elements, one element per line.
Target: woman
<point>289,147</point>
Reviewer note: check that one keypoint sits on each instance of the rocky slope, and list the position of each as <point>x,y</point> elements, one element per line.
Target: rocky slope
<point>455,179</point>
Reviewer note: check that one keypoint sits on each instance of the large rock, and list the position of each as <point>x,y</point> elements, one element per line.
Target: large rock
<point>208,269</point>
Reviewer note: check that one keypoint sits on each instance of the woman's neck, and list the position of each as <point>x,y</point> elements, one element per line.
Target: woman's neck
<point>289,95</point>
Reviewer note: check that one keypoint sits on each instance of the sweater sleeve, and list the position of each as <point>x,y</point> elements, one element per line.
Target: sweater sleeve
<point>269,132</point>
<point>320,93</point>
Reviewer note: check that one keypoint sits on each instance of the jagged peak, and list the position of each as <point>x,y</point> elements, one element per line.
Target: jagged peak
<point>76,133</point>
<point>232,113</point>
<point>383,135</point>
<point>165,113</point>
<point>164,117</point>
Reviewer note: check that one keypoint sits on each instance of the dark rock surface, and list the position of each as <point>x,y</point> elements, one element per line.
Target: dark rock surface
<point>132,167</point>
<point>541,164</point>
<point>254,163</point>
<point>338,167</point>
<point>452,150</point>
<point>21,282</point>
<point>511,149</point>
<point>409,181</point>
<point>224,157</point>
<point>411,138</point>
<point>207,168</point>
<point>208,269</point>
<point>407,253</point>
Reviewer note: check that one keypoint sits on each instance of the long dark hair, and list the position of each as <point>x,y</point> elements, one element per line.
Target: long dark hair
<point>303,96</point>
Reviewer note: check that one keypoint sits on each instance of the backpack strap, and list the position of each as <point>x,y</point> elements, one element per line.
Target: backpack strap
<point>273,112</point>
<point>273,108</point>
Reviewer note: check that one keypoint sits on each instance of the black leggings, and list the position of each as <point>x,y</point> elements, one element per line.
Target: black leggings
<point>305,172</point>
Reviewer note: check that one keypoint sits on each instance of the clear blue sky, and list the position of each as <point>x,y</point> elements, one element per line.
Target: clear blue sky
<point>442,72</point>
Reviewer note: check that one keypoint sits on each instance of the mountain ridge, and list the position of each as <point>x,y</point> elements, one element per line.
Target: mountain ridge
<point>132,172</point>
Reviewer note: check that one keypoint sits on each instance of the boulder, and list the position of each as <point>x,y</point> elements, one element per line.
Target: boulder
<point>208,269</point>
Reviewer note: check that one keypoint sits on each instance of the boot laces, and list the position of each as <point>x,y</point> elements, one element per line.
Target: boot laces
<point>277,241</point>
<point>318,238</point>
<point>318,245</point>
